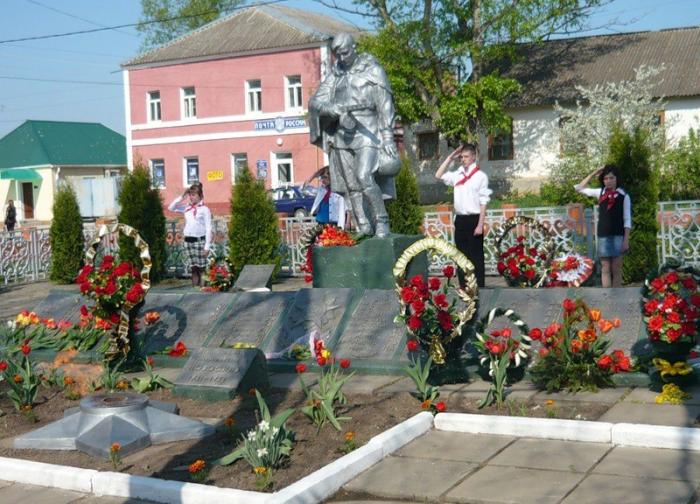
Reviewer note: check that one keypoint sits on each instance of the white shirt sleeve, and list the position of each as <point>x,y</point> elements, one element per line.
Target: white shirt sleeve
<point>484,191</point>
<point>341,212</point>
<point>317,200</point>
<point>627,212</point>
<point>587,191</point>
<point>207,227</point>
<point>450,178</point>
<point>175,205</point>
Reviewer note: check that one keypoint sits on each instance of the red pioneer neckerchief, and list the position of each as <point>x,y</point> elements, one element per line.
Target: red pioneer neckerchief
<point>193,208</point>
<point>608,196</point>
<point>467,177</point>
<point>327,196</point>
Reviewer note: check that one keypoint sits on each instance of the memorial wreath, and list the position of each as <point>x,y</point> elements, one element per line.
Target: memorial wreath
<point>524,265</point>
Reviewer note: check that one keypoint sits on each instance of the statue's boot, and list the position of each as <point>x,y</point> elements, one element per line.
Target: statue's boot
<point>379,214</point>
<point>358,211</point>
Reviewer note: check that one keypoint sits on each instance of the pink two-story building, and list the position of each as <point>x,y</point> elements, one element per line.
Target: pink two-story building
<point>231,94</point>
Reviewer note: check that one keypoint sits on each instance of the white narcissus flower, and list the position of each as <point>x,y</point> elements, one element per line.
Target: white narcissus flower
<point>251,435</point>
<point>262,452</point>
<point>264,426</point>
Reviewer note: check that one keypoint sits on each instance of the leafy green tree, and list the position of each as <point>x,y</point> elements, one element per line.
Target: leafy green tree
<point>253,231</point>
<point>427,46</point>
<point>405,212</point>
<point>142,209</point>
<point>680,176</point>
<point>165,20</point>
<point>66,236</point>
<point>631,154</point>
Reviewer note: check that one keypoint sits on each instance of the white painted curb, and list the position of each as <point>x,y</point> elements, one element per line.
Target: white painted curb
<point>656,436</point>
<point>550,428</point>
<point>48,475</point>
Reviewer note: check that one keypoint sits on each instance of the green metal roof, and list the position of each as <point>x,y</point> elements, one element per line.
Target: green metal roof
<point>39,143</point>
<point>19,174</point>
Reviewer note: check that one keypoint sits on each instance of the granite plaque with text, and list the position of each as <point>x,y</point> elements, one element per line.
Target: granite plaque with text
<point>254,276</point>
<point>312,309</point>
<point>60,304</point>
<point>250,318</point>
<point>371,332</point>
<point>172,324</point>
<point>537,307</point>
<point>202,310</point>
<point>216,373</point>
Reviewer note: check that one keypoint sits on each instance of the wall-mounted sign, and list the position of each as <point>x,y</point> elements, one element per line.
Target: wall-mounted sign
<point>215,175</point>
<point>261,165</point>
<point>280,124</point>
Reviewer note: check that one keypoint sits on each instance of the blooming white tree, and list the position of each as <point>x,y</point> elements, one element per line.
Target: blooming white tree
<point>585,129</point>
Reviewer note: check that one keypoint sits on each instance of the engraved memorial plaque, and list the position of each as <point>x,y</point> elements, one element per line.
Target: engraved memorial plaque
<point>202,311</point>
<point>250,318</point>
<point>60,304</point>
<point>537,307</point>
<point>312,309</point>
<point>255,276</point>
<point>371,332</point>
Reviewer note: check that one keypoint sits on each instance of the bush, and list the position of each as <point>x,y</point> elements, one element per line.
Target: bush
<point>253,230</point>
<point>142,209</point>
<point>681,175</point>
<point>405,212</point>
<point>630,153</point>
<point>66,236</point>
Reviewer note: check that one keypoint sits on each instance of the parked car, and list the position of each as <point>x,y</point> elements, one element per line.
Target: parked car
<point>294,200</point>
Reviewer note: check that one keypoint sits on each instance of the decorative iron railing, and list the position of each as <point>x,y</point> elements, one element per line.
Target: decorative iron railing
<point>25,254</point>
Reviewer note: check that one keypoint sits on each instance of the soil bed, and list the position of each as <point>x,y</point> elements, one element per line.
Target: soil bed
<point>371,415</point>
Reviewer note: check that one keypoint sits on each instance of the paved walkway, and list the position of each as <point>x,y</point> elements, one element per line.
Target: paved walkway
<point>16,493</point>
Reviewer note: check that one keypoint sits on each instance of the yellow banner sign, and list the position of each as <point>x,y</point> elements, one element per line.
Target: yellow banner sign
<point>215,175</point>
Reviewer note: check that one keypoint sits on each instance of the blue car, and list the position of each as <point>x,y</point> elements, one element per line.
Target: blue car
<point>294,200</point>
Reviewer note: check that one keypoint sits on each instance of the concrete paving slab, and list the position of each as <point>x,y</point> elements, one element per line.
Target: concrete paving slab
<point>551,454</point>
<point>367,384</point>
<point>642,395</point>
<point>291,381</point>
<point>456,446</point>
<point>657,414</point>
<point>603,489</point>
<point>651,462</point>
<point>606,395</point>
<point>30,494</point>
<point>500,485</point>
<point>410,478</point>
<point>92,499</point>
<point>399,386</point>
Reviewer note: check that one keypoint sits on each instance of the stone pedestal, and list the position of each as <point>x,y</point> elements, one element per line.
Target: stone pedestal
<point>367,265</point>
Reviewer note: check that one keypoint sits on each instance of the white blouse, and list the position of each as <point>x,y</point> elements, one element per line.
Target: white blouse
<point>197,219</point>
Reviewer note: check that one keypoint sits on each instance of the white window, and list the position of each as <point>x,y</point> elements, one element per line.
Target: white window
<point>189,103</point>
<point>282,169</point>
<point>253,102</point>
<point>153,106</point>
<point>292,98</point>
<point>239,162</point>
<point>191,171</point>
<point>157,172</point>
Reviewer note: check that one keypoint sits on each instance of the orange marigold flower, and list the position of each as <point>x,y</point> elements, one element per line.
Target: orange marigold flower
<point>549,402</point>
<point>349,436</point>
<point>18,379</point>
<point>115,447</point>
<point>68,380</point>
<point>260,470</point>
<point>426,404</point>
<point>122,385</point>
<point>196,466</point>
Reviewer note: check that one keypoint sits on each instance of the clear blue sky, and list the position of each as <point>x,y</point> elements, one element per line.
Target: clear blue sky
<point>96,57</point>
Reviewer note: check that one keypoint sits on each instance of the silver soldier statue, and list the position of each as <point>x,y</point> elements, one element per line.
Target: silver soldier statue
<point>352,119</point>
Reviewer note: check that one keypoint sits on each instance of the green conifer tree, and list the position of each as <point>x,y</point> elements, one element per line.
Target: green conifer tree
<point>253,230</point>
<point>142,209</point>
<point>630,153</point>
<point>405,212</point>
<point>66,236</point>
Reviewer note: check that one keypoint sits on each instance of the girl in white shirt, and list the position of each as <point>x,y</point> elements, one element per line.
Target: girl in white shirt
<point>197,230</point>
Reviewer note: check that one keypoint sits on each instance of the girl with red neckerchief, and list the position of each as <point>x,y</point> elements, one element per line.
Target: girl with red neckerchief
<point>197,231</point>
<point>614,222</point>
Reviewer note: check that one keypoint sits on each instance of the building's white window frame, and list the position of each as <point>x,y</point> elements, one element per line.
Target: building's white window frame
<point>153,106</point>
<point>276,159</point>
<point>236,159</point>
<point>501,146</point>
<point>253,96</point>
<point>293,94</point>
<point>188,99</point>
<point>185,163</point>
<point>157,182</point>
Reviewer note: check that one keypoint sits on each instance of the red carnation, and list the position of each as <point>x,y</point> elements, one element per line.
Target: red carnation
<point>689,283</point>
<point>407,294</point>
<point>417,281</point>
<point>111,288</point>
<point>650,306</point>
<point>301,368</point>
<point>445,320</point>
<point>84,287</point>
<point>674,317</point>
<point>695,300</point>
<point>569,305</point>
<point>656,323</point>
<point>418,307</point>
<point>134,294</point>
<point>344,363</point>
<point>3,366</point>
<point>658,285</point>
<point>672,277</point>
<point>412,345</point>
<point>308,278</point>
<point>673,335</point>
<point>535,333</point>
<point>448,271</point>
<point>434,283</point>
<point>440,407</point>
<point>414,323</point>
<point>501,267</point>
<point>84,311</point>
<point>529,274</point>
<point>321,361</point>
<point>26,349</point>
<point>440,300</point>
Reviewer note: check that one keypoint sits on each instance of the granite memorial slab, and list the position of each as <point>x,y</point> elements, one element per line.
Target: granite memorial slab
<point>312,309</point>
<point>370,332</point>
<point>537,307</point>
<point>172,324</point>
<point>250,318</point>
<point>217,373</point>
<point>201,312</point>
<point>255,277</point>
<point>61,304</point>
